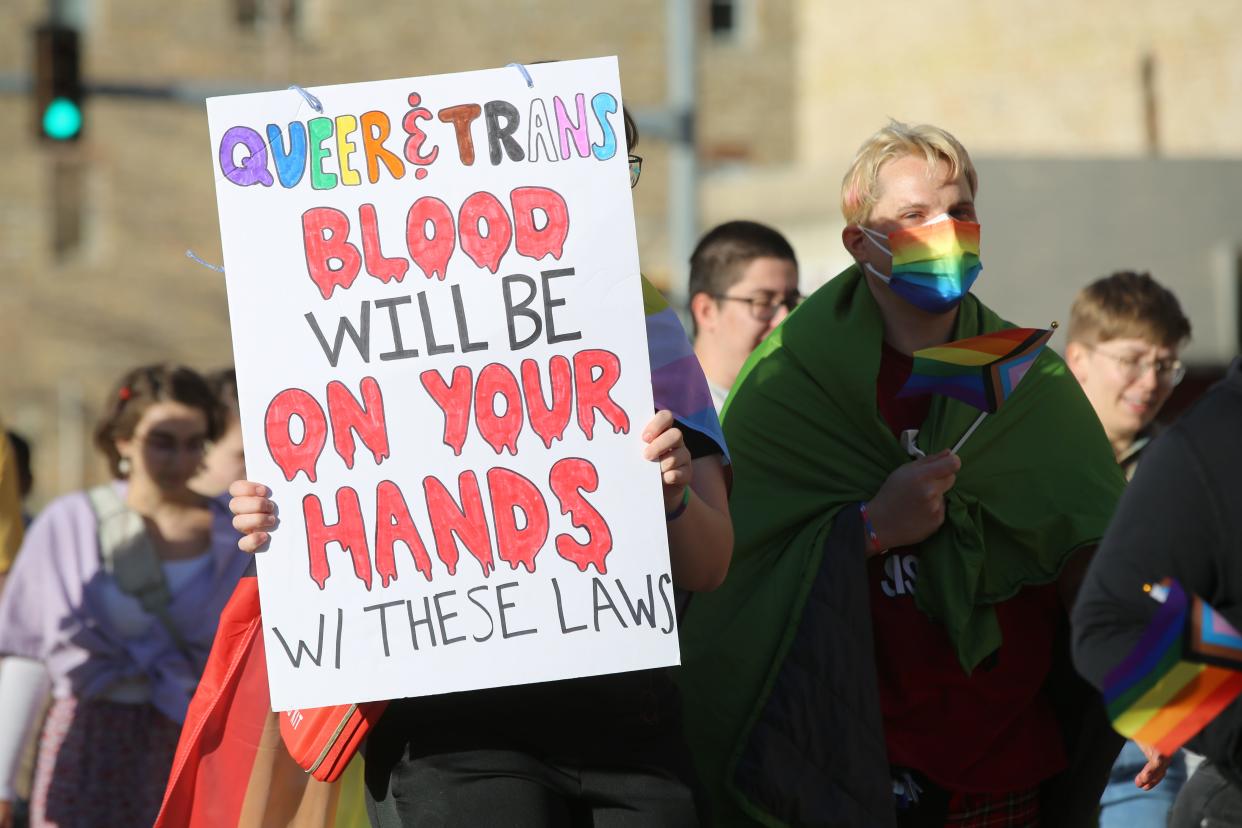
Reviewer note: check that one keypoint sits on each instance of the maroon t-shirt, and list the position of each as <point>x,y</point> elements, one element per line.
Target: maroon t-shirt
<point>991,731</point>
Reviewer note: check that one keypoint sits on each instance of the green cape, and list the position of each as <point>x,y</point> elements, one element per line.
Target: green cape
<point>1038,481</point>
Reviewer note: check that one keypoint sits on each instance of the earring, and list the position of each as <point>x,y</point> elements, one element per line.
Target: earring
<point>123,466</point>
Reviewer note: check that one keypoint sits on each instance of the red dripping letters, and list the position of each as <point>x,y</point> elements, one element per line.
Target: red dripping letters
<point>483,228</point>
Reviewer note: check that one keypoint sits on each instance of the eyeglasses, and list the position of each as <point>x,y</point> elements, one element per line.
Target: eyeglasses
<point>1168,371</point>
<point>636,169</point>
<point>161,442</point>
<point>764,304</point>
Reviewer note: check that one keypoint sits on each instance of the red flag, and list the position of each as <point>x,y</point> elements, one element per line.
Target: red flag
<point>231,766</point>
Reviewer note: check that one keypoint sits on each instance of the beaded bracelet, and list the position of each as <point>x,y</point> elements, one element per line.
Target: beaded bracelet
<point>681,507</point>
<point>873,541</point>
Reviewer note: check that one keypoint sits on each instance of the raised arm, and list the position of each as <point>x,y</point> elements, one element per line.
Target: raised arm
<point>696,506</point>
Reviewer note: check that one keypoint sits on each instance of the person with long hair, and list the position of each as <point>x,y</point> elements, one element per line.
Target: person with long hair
<point>112,605</point>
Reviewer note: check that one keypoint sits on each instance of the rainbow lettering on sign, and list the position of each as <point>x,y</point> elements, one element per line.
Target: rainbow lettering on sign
<point>324,150</point>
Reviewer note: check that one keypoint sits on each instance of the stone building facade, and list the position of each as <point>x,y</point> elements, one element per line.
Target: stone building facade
<point>786,91</point>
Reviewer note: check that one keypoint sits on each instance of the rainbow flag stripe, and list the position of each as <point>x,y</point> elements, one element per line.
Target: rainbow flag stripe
<point>942,240</point>
<point>981,371</point>
<point>677,380</point>
<point>1184,670</point>
<point>924,255</point>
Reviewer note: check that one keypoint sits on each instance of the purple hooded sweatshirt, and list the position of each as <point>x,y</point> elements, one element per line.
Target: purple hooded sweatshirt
<point>52,610</point>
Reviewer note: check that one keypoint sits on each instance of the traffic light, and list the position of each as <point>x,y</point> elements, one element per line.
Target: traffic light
<point>57,83</point>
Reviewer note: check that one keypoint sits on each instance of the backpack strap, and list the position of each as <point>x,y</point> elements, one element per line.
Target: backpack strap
<point>129,557</point>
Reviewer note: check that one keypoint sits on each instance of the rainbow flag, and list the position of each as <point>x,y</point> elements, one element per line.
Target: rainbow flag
<point>981,371</point>
<point>1186,669</point>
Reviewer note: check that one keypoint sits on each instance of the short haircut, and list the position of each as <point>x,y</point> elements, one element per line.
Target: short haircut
<point>143,387</point>
<point>721,255</point>
<point>1125,305</point>
<point>897,140</point>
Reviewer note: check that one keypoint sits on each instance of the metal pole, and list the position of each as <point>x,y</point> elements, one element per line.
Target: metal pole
<point>683,204</point>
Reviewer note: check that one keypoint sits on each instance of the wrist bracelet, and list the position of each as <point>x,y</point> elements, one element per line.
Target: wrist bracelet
<point>873,541</point>
<point>681,507</point>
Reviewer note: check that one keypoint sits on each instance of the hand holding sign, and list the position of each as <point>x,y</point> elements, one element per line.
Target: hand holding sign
<point>666,446</point>
<point>254,514</point>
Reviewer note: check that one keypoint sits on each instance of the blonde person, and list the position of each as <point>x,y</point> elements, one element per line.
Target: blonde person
<point>112,605</point>
<point>890,645</point>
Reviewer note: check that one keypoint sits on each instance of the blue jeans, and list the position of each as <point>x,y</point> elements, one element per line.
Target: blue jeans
<point>1125,805</point>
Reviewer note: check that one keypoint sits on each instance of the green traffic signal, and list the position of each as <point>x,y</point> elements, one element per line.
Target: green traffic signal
<point>62,120</point>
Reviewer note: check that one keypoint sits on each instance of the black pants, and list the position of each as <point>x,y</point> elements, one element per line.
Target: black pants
<point>1207,800</point>
<point>480,788</point>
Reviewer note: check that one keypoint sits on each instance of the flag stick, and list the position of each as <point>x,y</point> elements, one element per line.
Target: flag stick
<point>969,431</point>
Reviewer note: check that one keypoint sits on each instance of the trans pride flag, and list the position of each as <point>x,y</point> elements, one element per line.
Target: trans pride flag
<point>1186,668</point>
<point>981,371</point>
<point>677,380</point>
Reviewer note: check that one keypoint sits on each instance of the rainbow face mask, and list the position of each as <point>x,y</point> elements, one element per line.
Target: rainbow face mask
<point>934,264</point>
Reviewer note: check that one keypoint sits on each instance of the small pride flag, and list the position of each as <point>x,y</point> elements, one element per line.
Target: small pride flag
<point>1186,669</point>
<point>981,371</point>
<point>677,380</point>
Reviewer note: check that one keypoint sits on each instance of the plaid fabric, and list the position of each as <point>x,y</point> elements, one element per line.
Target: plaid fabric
<point>1016,809</point>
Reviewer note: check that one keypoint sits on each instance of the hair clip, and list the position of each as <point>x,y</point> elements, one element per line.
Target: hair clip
<point>125,393</point>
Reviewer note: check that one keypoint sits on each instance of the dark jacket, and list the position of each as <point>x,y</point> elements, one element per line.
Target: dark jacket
<point>816,755</point>
<point>1181,517</point>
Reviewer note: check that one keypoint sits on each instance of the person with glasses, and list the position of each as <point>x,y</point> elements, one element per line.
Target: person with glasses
<point>112,605</point>
<point>743,283</point>
<point>636,169</point>
<point>1125,334</point>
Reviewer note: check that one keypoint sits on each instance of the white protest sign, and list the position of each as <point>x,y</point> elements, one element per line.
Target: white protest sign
<point>438,327</point>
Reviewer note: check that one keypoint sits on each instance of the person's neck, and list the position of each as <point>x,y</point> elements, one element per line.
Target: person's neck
<point>145,498</point>
<point>908,329</point>
<point>1121,443</point>
<point>715,368</point>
